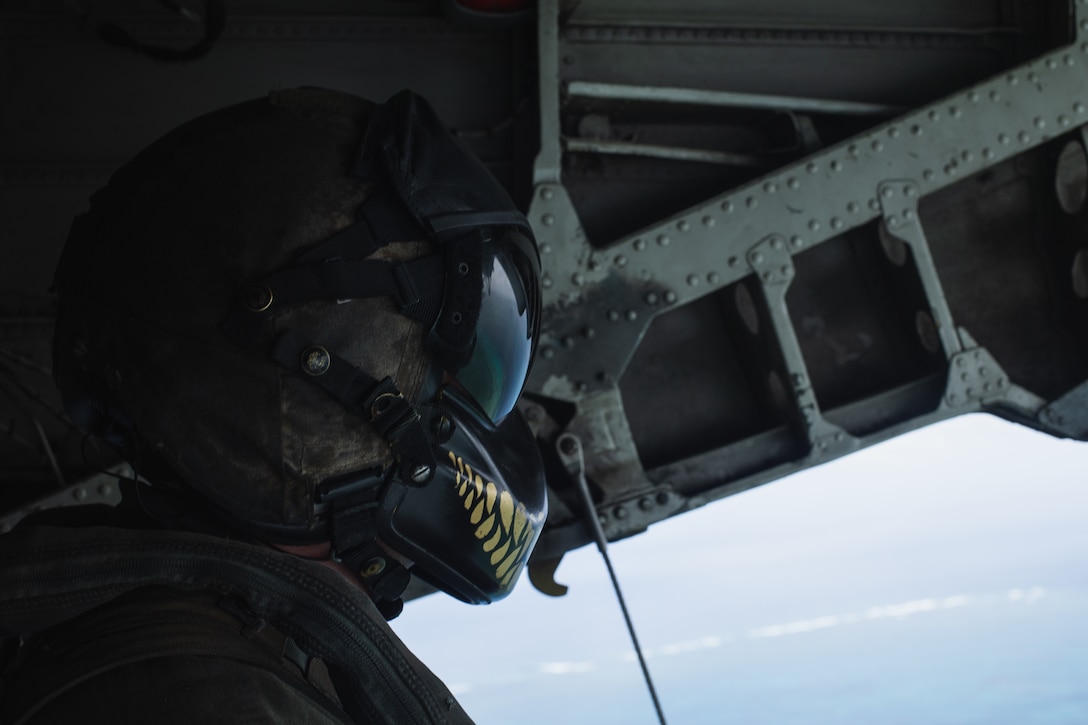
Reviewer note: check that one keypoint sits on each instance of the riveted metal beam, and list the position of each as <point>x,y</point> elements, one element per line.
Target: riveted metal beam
<point>773,265</point>
<point>101,488</point>
<point>548,164</point>
<point>899,204</point>
<point>701,250</point>
<point>974,378</point>
<point>1069,413</point>
<point>619,91</point>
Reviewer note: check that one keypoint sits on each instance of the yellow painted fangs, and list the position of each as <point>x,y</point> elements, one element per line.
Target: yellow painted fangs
<point>504,535</point>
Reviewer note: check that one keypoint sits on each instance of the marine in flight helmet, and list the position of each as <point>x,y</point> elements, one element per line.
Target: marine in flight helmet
<point>315,315</point>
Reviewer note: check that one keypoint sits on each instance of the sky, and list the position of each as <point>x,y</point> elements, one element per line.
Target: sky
<point>940,577</point>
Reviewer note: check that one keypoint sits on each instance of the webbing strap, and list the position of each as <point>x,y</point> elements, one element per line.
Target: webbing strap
<point>347,279</point>
<point>354,242</point>
<point>382,220</point>
<point>379,402</point>
<point>353,532</point>
<point>417,286</point>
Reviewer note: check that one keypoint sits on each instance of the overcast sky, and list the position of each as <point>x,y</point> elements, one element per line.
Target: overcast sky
<point>940,577</point>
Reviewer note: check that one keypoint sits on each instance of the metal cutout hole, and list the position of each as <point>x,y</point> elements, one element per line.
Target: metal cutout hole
<point>1071,178</point>
<point>1080,275</point>
<point>746,308</point>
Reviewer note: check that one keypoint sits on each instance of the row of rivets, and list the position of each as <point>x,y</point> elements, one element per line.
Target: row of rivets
<point>836,223</point>
<point>645,503</point>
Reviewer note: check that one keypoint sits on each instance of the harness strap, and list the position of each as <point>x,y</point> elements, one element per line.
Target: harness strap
<point>52,574</point>
<point>153,624</point>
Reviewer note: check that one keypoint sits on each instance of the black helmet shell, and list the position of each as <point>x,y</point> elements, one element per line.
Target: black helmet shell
<point>152,269</point>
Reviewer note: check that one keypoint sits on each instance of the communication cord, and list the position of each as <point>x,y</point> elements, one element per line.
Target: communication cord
<point>570,449</point>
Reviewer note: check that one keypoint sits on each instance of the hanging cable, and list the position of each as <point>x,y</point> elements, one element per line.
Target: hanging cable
<point>214,20</point>
<point>570,450</point>
<point>12,388</point>
<point>48,448</point>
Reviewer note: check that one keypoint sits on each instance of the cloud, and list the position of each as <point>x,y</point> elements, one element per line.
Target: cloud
<point>566,668</point>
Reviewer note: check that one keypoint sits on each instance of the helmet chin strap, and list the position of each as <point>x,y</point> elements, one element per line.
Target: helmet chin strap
<point>352,502</point>
<point>380,575</point>
<point>353,536</point>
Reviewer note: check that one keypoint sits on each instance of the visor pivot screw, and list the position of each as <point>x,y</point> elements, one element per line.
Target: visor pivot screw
<point>462,269</point>
<point>646,503</point>
<point>569,446</point>
<point>257,298</point>
<point>315,361</point>
<point>421,473</point>
<point>372,568</point>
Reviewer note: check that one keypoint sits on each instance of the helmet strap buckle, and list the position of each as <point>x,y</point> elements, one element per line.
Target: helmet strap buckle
<point>354,536</point>
<point>381,402</point>
<point>400,424</point>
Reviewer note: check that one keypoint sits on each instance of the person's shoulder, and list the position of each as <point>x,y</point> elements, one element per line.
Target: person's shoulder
<point>186,689</point>
<point>162,655</point>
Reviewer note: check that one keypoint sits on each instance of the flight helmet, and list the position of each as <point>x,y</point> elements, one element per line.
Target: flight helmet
<point>315,315</point>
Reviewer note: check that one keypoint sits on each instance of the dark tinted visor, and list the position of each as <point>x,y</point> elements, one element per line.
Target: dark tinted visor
<point>507,327</point>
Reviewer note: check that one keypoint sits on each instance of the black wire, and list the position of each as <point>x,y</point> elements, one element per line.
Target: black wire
<point>634,637</point>
<point>602,546</point>
<point>11,385</point>
<point>9,376</point>
<point>215,20</point>
<point>26,362</point>
<point>8,429</point>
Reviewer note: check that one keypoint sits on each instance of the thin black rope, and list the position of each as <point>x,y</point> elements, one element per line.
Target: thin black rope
<point>602,546</point>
